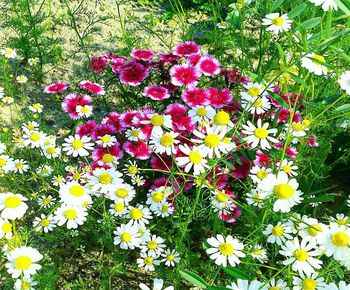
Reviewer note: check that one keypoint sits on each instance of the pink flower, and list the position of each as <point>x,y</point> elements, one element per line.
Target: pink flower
<point>312,141</point>
<point>169,57</point>
<point>157,93</point>
<point>99,63</point>
<point>262,159</point>
<point>103,129</point>
<point>117,64</point>
<point>209,66</point>
<point>114,120</point>
<point>234,76</point>
<point>194,58</point>
<point>93,88</point>
<point>142,54</point>
<point>187,48</point>
<point>184,75</point>
<point>230,215</point>
<point>219,99</point>
<point>99,153</point>
<point>127,118</point>
<point>195,97</point>
<point>71,102</point>
<point>86,129</point>
<point>180,121</point>
<point>137,149</point>
<point>292,152</point>
<point>56,88</point>
<point>133,73</point>
<point>163,162</point>
<point>241,169</point>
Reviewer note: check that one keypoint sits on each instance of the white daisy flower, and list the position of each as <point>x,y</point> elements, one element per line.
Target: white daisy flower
<point>8,100</point>
<point>297,129</point>
<point>195,158</point>
<point>33,61</point>
<point>222,119</point>
<point>341,219</point>
<point>8,52</point>
<point>138,180</point>
<point>220,200</point>
<point>77,146</point>
<point>257,105</point>
<point>259,134</point>
<point>58,180</point>
<point>344,81</point>
<point>247,285</point>
<point>5,229</point>
<point>201,114</point>
<point>36,108</point>
<point>164,143</point>
<point>6,164</point>
<point>51,152</point>
<point>284,189</point>
<point>341,286</point>
<point>211,142</point>
<point>337,241</point>
<point>157,285</point>
<point>122,192</point>
<point>45,223</point>
<point>22,79</point>
<point>158,122</point>
<point>170,257</point>
<point>34,139</point>
<point>309,62</point>
<point>277,285</point>
<point>131,168</point>
<point>30,126</point>
<point>153,245</point>
<point>158,196</point>
<point>312,229</point>
<point>308,282</point>
<point>258,173</point>
<point>301,255</point>
<point>145,234</point>
<point>225,249</point>
<point>253,90</point>
<point>127,236</point>
<point>20,166</point>
<point>164,209</point>
<point>72,193</point>
<point>148,261</point>
<point>44,170</point>
<point>139,215</point>
<point>26,283</point>
<point>118,208</point>
<point>2,147</point>
<point>84,111</point>
<point>277,23</point>
<point>23,261</point>
<point>106,140</point>
<point>288,167</point>
<point>256,198</point>
<point>278,234</point>
<point>104,180</point>
<point>134,134</point>
<point>73,215</point>
<point>46,201</point>
<point>259,253</point>
<point>326,4</point>
<point>12,206</point>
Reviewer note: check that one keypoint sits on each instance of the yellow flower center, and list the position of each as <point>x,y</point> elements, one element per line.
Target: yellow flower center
<point>76,176</point>
<point>261,174</point>
<point>70,214</point>
<point>257,198</point>
<point>19,165</point>
<point>166,140</point>
<point>261,133</point>
<point>226,249</point>
<point>157,196</point>
<point>309,284</point>
<point>195,157</point>
<point>107,158</point>
<point>105,138</point>
<point>274,288</point>
<point>12,202</point>
<point>306,123</point>
<point>77,190</point>
<point>45,223</point>
<point>157,120</point>
<point>277,231</point>
<point>105,178</point>
<point>59,179</point>
<point>287,169</point>
<point>132,169</point>
<point>77,144</point>
<point>341,222</point>
<point>37,106</point>
<point>51,150</point>
<point>85,110</point>
<point>221,118</point>
<point>314,229</point>
<point>136,214</point>
<point>23,263</point>
<point>201,112</point>
<point>283,191</point>
<point>152,245</point>
<point>278,21</point>
<point>30,127</point>
<point>221,197</point>
<point>7,228</point>
<point>254,91</point>
<point>301,255</point>
<point>340,239</point>
<point>258,103</point>
<point>164,208</point>
<point>121,192</point>
<point>46,200</point>
<point>119,207</point>
<point>25,285</point>
<point>125,237</point>
<point>3,161</point>
<point>320,58</point>
<point>149,260</point>
<point>34,137</point>
<point>170,257</point>
<point>134,133</point>
<point>212,140</point>
<point>297,127</point>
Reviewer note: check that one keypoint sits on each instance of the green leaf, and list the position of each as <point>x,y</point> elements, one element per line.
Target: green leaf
<point>236,273</point>
<point>279,99</point>
<point>281,52</point>
<point>342,7</point>
<point>298,79</point>
<point>228,164</point>
<point>276,4</point>
<point>311,23</point>
<point>296,11</point>
<point>343,108</point>
<point>323,198</point>
<point>193,278</point>
<point>217,288</point>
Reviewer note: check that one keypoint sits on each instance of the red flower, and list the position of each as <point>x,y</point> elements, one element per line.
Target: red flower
<point>99,63</point>
<point>163,162</point>
<point>312,141</point>
<point>241,170</point>
<point>127,118</point>
<point>137,149</point>
<point>114,120</point>
<point>103,129</point>
<point>187,48</point>
<point>142,54</point>
<point>103,154</point>
<point>93,88</point>
<point>194,58</point>
<point>133,73</point>
<point>71,102</point>
<point>195,97</point>
<point>179,120</point>
<point>86,129</point>
<point>184,75</point>
<point>217,98</point>
<point>117,64</point>
<point>262,159</point>
<point>55,88</point>
<point>209,66</point>
<point>157,93</point>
